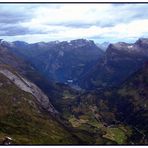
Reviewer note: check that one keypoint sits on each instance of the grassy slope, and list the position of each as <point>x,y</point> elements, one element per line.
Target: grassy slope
<point>21,118</point>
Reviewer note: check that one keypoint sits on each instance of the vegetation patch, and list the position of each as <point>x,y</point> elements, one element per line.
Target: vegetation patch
<point>115,134</point>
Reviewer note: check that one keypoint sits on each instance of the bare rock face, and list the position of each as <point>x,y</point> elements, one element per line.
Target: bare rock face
<point>29,87</point>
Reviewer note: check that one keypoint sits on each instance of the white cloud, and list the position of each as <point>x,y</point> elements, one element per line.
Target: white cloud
<point>71,21</point>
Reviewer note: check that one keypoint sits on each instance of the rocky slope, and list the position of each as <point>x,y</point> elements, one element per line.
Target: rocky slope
<point>29,87</point>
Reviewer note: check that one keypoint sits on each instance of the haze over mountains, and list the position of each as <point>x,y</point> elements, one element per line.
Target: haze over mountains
<point>82,63</point>
<point>73,92</point>
<point>60,61</point>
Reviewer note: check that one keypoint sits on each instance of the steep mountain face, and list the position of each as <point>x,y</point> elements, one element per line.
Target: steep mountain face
<point>60,61</point>
<point>120,61</point>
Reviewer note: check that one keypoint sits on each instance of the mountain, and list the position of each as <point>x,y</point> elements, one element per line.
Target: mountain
<point>63,98</point>
<point>63,61</point>
<point>27,115</point>
<point>119,62</point>
<point>36,110</point>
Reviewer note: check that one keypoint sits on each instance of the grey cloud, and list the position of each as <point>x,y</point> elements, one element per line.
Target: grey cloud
<point>13,30</point>
<point>74,24</point>
<point>85,25</point>
<point>11,16</point>
<point>123,13</point>
<point>77,25</point>
<point>10,19</point>
<point>130,12</point>
<point>14,13</point>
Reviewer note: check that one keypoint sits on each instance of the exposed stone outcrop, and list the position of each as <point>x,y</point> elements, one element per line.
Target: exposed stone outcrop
<point>29,87</point>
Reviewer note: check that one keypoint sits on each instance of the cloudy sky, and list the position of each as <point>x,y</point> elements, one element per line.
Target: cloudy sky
<point>48,22</point>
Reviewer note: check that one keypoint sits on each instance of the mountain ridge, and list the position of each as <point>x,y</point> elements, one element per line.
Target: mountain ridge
<point>120,61</point>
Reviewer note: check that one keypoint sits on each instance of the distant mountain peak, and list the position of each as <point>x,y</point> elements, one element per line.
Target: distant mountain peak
<point>54,42</point>
<point>142,42</point>
<point>81,41</point>
<point>120,46</point>
<point>139,47</point>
